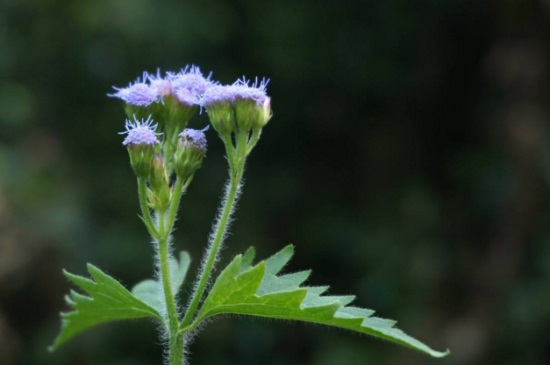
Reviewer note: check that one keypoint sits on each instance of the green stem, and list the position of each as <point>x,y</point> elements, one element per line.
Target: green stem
<point>167,288</point>
<point>179,188</point>
<point>175,340</point>
<point>256,133</point>
<point>147,219</point>
<point>229,149</point>
<point>236,172</point>
<point>176,345</point>
<point>176,349</point>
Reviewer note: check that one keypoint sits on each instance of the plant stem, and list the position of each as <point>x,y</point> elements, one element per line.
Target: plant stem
<point>166,222</point>
<point>236,163</point>
<point>176,349</point>
<point>165,276</point>
<point>147,219</point>
<point>175,340</point>
<point>179,188</point>
<point>256,133</point>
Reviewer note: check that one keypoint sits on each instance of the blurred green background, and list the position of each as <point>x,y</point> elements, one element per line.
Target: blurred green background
<point>408,159</point>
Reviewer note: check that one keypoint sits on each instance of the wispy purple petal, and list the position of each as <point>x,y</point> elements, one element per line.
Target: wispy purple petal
<point>189,84</point>
<point>138,93</point>
<point>239,90</point>
<point>140,132</point>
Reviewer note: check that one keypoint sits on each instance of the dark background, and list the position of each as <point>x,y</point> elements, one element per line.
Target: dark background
<point>408,159</point>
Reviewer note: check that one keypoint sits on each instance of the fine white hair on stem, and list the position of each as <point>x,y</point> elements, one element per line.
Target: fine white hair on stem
<point>215,228</point>
<point>158,274</point>
<point>164,335</point>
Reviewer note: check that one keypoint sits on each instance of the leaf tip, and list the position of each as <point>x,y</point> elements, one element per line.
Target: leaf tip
<point>439,354</point>
<point>250,252</point>
<point>287,251</point>
<point>184,256</point>
<point>248,258</point>
<point>91,268</point>
<point>55,345</point>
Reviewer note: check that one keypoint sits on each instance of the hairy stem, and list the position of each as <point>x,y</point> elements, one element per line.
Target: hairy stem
<point>147,219</point>
<point>236,162</point>
<point>176,355</point>
<point>256,133</point>
<point>175,340</point>
<point>167,288</point>
<point>179,188</point>
<point>166,223</point>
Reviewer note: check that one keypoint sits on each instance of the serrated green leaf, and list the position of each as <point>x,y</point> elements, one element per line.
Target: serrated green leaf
<point>260,291</point>
<point>150,291</point>
<point>108,301</point>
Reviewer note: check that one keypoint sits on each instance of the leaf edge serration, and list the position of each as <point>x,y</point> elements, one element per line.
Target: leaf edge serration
<point>264,293</point>
<point>100,288</point>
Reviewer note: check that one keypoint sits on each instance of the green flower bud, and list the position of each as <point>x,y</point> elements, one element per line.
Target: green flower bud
<point>222,117</point>
<point>141,140</point>
<point>159,175</point>
<point>189,153</point>
<point>159,196</point>
<point>141,159</point>
<point>246,113</point>
<point>263,114</point>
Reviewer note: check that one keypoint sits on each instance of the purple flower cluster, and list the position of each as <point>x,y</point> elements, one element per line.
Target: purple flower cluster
<point>140,133</point>
<point>241,89</point>
<point>190,87</point>
<point>187,86</point>
<point>243,105</point>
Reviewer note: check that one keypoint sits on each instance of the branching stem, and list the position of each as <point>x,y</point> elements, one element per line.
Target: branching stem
<point>166,220</point>
<point>236,157</point>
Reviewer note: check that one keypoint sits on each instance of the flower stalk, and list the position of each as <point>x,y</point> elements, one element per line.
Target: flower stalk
<point>231,194</point>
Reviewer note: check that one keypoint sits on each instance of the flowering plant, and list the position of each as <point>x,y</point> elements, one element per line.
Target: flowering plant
<point>164,156</point>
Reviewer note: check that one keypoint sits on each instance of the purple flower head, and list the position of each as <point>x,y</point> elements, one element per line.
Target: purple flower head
<point>194,137</point>
<point>161,86</point>
<point>138,93</point>
<point>256,91</point>
<point>189,84</point>
<point>140,132</point>
<point>239,90</point>
<point>217,94</point>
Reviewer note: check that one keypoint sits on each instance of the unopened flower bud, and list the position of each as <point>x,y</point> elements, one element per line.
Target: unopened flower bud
<point>245,113</point>
<point>264,114</point>
<point>190,152</point>
<point>141,140</point>
<point>159,175</point>
<point>159,196</point>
